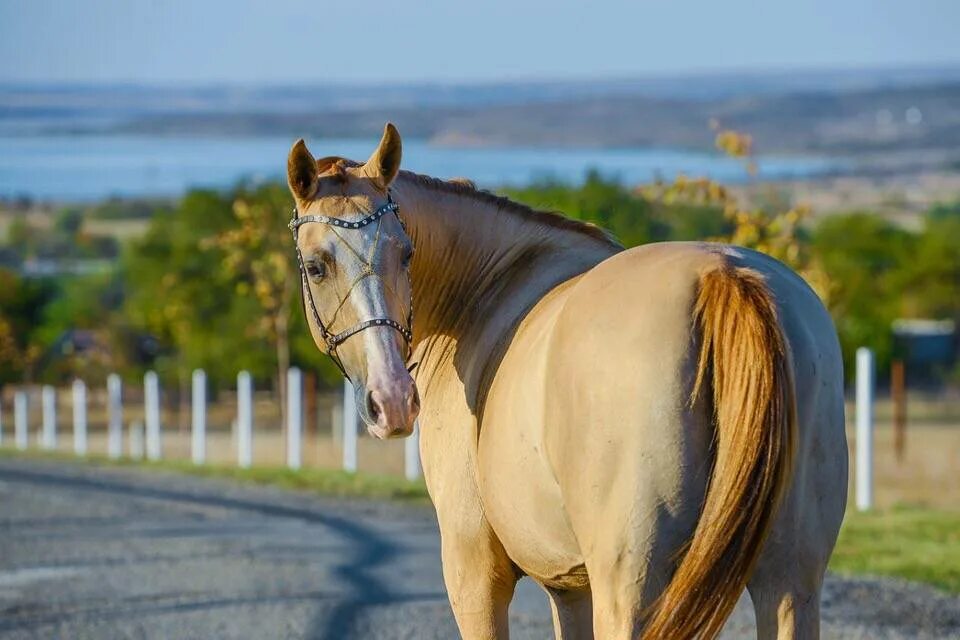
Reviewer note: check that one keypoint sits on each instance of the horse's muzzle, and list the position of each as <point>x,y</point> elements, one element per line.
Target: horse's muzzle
<point>389,407</point>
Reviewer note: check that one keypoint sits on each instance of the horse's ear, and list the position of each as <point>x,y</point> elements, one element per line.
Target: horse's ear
<point>301,170</point>
<point>383,165</point>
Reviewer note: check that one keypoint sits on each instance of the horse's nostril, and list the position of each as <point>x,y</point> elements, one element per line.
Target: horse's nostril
<point>415,400</point>
<point>372,409</point>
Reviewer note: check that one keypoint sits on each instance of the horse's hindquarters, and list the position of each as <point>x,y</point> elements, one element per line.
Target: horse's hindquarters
<point>590,449</point>
<point>587,439</point>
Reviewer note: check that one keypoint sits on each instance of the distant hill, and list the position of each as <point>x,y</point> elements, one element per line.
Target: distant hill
<point>837,113</point>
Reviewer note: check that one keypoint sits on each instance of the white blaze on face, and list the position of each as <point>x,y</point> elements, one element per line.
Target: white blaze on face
<point>391,394</point>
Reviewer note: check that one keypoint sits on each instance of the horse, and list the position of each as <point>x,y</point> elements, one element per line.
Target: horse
<point>645,432</point>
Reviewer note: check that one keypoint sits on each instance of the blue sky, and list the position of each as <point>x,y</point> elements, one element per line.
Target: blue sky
<point>285,41</point>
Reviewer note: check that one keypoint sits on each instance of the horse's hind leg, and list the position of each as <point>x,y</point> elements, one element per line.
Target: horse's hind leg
<point>572,614</point>
<point>786,613</point>
<point>786,583</point>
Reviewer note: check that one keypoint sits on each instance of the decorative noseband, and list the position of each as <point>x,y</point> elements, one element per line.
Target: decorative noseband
<point>333,340</point>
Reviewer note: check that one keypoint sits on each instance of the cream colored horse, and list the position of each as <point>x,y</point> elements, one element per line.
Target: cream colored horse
<point>645,433</point>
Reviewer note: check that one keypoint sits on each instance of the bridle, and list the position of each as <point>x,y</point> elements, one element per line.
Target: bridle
<point>334,340</point>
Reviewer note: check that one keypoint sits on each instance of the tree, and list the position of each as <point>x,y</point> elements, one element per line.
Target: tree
<point>865,256</point>
<point>11,358</point>
<point>777,233</point>
<point>932,279</point>
<point>257,255</point>
<point>22,303</point>
<point>213,281</point>
<point>175,289</point>
<point>604,202</point>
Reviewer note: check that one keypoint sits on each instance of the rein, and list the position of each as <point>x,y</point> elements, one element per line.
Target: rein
<point>333,340</point>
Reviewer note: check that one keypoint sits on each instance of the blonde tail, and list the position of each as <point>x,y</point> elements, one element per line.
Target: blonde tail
<point>744,360</point>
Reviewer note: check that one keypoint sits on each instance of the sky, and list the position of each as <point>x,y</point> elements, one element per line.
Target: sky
<point>296,41</point>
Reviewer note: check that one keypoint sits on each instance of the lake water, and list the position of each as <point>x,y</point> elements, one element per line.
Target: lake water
<point>94,167</point>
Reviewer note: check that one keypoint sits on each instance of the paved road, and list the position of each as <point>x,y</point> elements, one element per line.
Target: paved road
<point>109,553</point>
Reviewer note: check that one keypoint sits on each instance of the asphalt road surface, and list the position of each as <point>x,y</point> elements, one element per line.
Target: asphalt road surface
<point>109,553</point>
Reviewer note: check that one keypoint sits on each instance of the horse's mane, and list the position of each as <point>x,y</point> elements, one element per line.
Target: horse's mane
<point>332,167</point>
<point>553,219</point>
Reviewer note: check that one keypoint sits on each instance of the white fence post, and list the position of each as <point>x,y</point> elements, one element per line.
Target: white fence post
<point>198,400</point>
<point>20,419</point>
<point>411,454</point>
<point>349,427</point>
<point>79,417</point>
<point>151,408</point>
<point>244,432</point>
<point>115,413</point>
<point>136,440</point>
<point>865,380</point>
<point>294,417</point>
<point>48,404</point>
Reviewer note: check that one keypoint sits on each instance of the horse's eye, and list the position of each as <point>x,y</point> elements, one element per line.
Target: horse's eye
<point>316,270</point>
<point>407,257</point>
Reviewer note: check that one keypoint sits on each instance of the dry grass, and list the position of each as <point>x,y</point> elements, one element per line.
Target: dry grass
<point>929,474</point>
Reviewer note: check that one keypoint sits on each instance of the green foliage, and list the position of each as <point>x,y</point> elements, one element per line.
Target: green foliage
<point>27,239</point>
<point>68,223</point>
<point>633,218</point>
<point>127,209</point>
<point>186,287</point>
<point>865,257</point>
<point>933,271</point>
<point>22,303</point>
<point>213,280</point>
<point>944,210</point>
<point>868,270</point>
<point>22,238</point>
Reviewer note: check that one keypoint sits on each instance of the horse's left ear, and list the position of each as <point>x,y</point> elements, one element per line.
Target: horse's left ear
<point>383,165</point>
<point>301,170</point>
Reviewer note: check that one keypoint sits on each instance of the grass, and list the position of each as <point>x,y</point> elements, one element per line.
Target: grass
<point>321,481</point>
<point>913,543</point>
<point>906,542</point>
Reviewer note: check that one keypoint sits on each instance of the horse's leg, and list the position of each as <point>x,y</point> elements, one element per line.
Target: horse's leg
<point>572,614</point>
<point>785,611</point>
<point>479,576</point>
<point>480,580</point>
<point>786,584</point>
<point>628,571</point>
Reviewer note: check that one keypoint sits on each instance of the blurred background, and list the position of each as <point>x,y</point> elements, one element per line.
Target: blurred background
<point>143,210</point>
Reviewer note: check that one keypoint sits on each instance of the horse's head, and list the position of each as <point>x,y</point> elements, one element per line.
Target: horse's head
<point>354,256</point>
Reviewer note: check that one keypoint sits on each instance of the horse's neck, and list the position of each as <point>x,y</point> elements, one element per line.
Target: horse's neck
<point>476,272</point>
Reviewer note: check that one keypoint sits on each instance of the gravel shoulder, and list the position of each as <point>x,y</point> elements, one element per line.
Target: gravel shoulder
<point>89,552</point>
